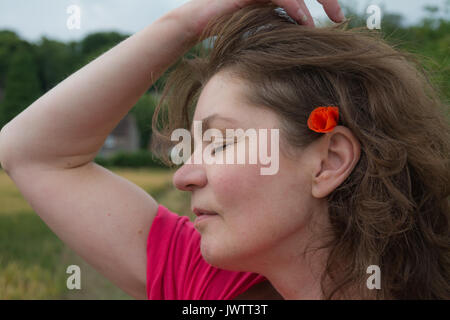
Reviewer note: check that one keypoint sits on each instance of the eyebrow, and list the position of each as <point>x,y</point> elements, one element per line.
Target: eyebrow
<point>206,122</point>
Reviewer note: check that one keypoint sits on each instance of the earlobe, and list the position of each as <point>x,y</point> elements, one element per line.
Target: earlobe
<point>339,153</point>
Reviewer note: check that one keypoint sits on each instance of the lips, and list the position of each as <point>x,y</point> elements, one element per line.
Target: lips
<point>203,215</point>
<point>202,212</point>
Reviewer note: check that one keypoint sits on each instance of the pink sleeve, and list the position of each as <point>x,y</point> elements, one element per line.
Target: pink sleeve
<point>176,269</point>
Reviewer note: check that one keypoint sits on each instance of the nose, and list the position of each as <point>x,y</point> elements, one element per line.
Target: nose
<point>189,177</point>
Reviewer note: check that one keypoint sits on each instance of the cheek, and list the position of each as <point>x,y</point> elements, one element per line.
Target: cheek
<point>236,185</point>
<point>257,210</point>
<point>238,193</point>
<point>239,183</point>
<point>241,188</point>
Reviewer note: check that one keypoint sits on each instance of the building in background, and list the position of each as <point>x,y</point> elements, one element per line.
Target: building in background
<point>124,137</point>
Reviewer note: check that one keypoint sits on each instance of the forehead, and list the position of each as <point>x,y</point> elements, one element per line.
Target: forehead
<point>223,94</point>
<point>224,97</point>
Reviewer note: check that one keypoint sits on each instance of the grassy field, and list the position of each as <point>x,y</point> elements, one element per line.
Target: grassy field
<point>33,260</point>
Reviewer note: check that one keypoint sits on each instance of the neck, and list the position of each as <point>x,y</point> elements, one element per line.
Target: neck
<point>295,266</point>
<point>299,279</point>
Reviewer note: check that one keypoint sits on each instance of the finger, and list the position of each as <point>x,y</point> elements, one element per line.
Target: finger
<point>297,10</point>
<point>333,10</point>
<point>308,21</point>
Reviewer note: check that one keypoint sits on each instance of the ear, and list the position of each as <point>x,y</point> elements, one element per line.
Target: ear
<point>339,152</point>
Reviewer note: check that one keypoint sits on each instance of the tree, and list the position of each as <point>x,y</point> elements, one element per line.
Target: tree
<point>56,61</point>
<point>9,43</point>
<point>100,40</point>
<point>22,85</point>
<point>143,112</point>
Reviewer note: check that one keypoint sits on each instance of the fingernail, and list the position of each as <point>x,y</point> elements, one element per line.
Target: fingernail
<point>301,16</point>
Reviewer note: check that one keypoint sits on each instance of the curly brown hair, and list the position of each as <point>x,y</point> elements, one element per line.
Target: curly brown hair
<point>393,209</point>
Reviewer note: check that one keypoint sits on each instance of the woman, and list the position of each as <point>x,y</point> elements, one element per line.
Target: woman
<point>369,189</point>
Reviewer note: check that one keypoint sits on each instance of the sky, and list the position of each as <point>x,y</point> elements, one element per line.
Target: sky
<point>32,19</point>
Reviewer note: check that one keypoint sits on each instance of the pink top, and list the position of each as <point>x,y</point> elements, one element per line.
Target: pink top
<point>176,269</point>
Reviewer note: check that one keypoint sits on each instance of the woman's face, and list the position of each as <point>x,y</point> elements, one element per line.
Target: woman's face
<point>260,217</point>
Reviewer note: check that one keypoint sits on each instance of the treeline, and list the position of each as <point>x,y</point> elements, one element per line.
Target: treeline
<point>428,40</point>
<point>28,70</point>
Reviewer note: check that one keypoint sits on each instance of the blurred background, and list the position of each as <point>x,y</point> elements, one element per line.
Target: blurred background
<point>41,45</point>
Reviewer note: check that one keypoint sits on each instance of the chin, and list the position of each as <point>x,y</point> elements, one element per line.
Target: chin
<point>220,257</point>
<point>210,253</point>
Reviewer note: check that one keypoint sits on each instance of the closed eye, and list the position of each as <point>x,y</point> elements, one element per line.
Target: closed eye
<point>221,148</point>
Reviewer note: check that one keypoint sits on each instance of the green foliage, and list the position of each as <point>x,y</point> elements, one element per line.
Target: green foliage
<point>56,61</point>
<point>22,85</point>
<point>95,44</point>
<point>100,40</point>
<point>143,112</point>
<point>9,43</point>
<point>428,40</point>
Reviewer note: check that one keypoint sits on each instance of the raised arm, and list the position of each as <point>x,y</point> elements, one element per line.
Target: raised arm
<point>48,149</point>
<point>67,126</point>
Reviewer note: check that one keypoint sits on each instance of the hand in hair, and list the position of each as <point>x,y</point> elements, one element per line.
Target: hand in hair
<point>199,12</point>
<point>298,10</point>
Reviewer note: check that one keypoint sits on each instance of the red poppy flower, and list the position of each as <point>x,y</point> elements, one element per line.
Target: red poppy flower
<point>323,119</point>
